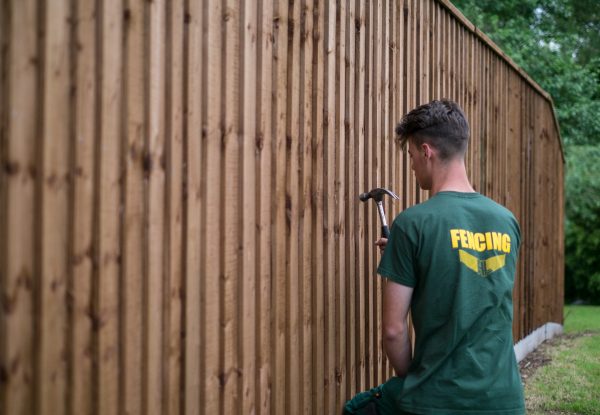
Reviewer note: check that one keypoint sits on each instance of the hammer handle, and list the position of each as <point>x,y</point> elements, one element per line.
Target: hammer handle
<point>385,232</point>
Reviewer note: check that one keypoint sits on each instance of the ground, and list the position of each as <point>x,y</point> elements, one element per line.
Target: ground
<point>563,375</point>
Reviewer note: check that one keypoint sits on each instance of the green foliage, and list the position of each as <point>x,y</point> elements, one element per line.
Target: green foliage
<point>583,223</point>
<point>557,42</point>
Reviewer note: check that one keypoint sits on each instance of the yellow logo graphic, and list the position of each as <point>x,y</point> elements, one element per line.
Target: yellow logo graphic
<point>483,267</point>
<point>480,242</point>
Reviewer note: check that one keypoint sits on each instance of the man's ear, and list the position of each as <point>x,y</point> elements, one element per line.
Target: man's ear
<point>427,150</point>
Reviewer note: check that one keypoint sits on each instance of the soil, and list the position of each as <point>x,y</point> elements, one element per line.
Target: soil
<point>542,355</point>
<point>534,360</point>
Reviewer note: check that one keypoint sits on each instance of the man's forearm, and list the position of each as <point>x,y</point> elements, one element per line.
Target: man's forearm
<point>398,351</point>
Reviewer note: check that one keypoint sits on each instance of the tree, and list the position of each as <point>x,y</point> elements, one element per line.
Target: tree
<point>557,42</point>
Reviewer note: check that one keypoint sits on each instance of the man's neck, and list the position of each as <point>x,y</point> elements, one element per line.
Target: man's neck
<point>451,176</point>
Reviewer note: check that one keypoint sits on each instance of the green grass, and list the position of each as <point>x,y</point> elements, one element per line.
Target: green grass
<point>570,384</point>
<point>581,318</point>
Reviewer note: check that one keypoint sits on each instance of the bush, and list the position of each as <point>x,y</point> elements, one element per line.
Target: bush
<point>582,224</point>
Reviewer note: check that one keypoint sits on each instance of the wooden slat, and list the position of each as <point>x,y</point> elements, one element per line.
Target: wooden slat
<point>280,202</point>
<point>328,206</point>
<point>351,202</point>
<point>132,310</point>
<point>231,211</point>
<point>339,156</point>
<point>106,319</point>
<point>154,155</point>
<point>197,245</point>
<point>211,269</point>
<point>366,101</point>
<point>317,240</point>
<point>264,140</point>
<point>53,231</point>
<point>248,215</point>
<point>172,318</point>
<point>361,240</point>
<point>305,204</point>
<point>293,381</point>
<point>81,261</point>
<point>19,68</point>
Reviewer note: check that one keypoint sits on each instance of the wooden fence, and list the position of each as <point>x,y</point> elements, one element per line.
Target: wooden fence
<point>180,231</point>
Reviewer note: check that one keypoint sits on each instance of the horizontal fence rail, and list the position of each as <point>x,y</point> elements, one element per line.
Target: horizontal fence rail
<point>180,229</point>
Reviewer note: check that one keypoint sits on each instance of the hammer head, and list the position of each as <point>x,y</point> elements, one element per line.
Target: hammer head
<point>377,194</point>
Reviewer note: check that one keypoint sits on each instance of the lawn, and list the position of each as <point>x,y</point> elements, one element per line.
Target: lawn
<point>570,382</point>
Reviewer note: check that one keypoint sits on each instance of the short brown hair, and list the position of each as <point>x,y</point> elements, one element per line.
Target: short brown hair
<point>441,123</point>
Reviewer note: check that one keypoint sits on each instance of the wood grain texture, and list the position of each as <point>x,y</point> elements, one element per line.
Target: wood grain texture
<point>180,230</point>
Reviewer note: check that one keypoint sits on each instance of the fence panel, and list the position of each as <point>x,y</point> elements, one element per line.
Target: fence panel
<point>180,230</point>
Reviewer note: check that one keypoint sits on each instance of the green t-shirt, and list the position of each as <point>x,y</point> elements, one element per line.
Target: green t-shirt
<point>459,252</point>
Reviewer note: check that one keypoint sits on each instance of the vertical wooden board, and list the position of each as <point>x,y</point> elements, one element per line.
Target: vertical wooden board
<point>476,130</point>
<point>470,90</point>
<point>436,49</point>
<point>247,133</point>
<point>415,80</point>
<point>386,153</point>
<point>460,44</point>
<point>424,46</point>
<point>318,300</point>
<point>264,140</point>
<point>403,70</point>
<point>513,156</point>
<point>196,240</point>
<point>279,200</point>
<point>108,202</point>
<point>531,201</point>
<point>293,380</point>
<point>338,194</point>
<point>230,199</point>
<point>172,318</point>
<point>524,208</point>
<point>482,122</point>
<point>376,177</point>
<point>361,241</point>
<point>54,158</point>
<point>443,39</point>
<point>212,239</point>
<point>306,215</point>
<point>329,180</point>
<point>80,261</point>
<point>350,201</point>
<point>368,185</point>
<point>18,146</point>
<point>560,237</point>
<point>454,51</point>
<point>385,162</point>
<point>492,137</point>
<point>540,212</point>
<point>424,52</point>
<point>133,204</point>
<point>154,368</point>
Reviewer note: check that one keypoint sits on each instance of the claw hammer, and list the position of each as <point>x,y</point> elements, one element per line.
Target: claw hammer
<point>377,195</point>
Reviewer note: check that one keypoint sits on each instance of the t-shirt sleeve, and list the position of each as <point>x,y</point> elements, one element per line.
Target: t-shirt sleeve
<point>398,262</point>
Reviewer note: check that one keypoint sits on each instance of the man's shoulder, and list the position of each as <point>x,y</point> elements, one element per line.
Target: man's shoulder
<point>438,208</point>
<point>498,208</point>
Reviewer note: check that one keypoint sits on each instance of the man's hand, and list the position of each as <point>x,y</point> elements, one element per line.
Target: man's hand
<point>381,243</point>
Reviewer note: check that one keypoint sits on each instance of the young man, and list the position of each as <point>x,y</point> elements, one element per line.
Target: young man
<point>451,260</point>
